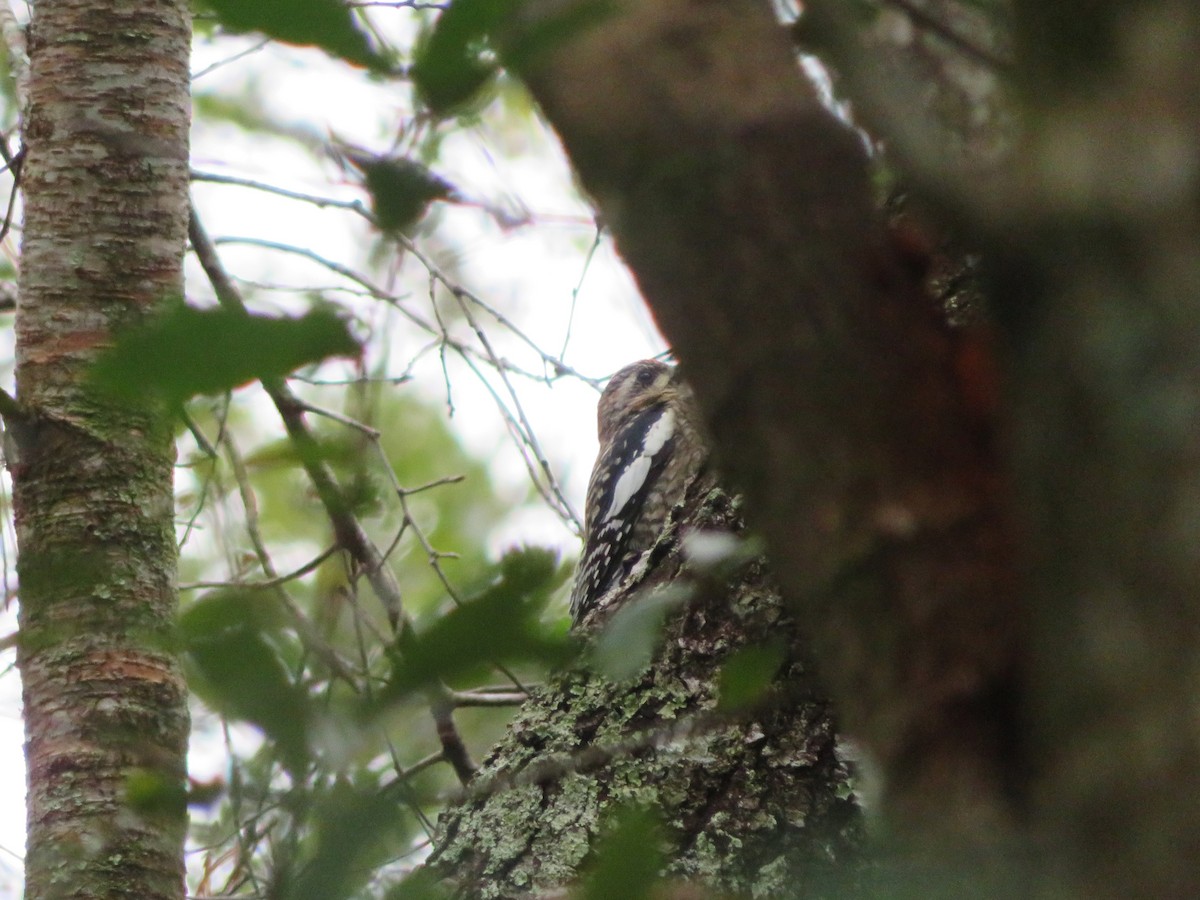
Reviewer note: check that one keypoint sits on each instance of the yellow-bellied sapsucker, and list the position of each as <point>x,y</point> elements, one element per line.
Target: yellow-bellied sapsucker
<point>650,447</point>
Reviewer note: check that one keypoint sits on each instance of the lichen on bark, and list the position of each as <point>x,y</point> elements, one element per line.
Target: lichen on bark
<point>755,801</point>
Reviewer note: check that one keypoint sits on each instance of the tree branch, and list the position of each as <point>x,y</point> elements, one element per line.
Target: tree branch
<point>349,532</point>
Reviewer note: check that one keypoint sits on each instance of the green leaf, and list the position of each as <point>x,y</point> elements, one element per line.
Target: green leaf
<point>419,885</point>
<point>628,859</point>
<point>453,63</point>
<point>747,675</point>
<point>154,793</point>
<point>401,189</point>
<point>327,24</point>
<point>187,351</point>
<point>239,672</point>
<point>355,831</point>
<point>501,624</point>
<point>629,639</point>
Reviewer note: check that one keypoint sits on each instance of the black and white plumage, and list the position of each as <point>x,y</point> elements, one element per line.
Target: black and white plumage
<point>650,447</point>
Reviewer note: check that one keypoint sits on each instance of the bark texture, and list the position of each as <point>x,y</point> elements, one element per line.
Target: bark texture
<point>105,182</point>
<point>1090,232</point>
<point>1101,304</point>
<point>754,801</point>
<point>859,427</point>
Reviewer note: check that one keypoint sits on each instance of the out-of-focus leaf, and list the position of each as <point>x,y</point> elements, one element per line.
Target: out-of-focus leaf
<point>401,189</point>
<point>630,638</point>
<point>420,885</point>
<point>628,859</point>
<point>356,831</point>
<point>187,351</point>
<point>453,63</point>
<point>501,624</point>
<point>239,672</point>
<point>153,793</point>
<point>328,24</point>
<point>747,675</point>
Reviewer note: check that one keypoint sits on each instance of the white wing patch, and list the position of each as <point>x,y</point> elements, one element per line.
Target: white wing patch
<point>634,477</point>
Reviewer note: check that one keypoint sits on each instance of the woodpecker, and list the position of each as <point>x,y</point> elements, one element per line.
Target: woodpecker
<point>650,448</point>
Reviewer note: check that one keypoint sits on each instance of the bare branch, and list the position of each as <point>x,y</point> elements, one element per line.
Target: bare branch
<point>276,581</point>
<point>350,533</point>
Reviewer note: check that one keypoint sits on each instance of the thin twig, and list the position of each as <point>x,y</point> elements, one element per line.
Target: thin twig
<point>488,698</point>
<point>14,164</point>
<point>528,434</point>
<point>276,581</point>
<point>339,417</point>
<point>437,482</point>
<point>209,447</point>
<point>587,264</point>
<point>453,749</point>
<point>349,532</point>
<point>352,205</point>
<point>308,634</point>
<point>198,435</point>
<point>224,62</point>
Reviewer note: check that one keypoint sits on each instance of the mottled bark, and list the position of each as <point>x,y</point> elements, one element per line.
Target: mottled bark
<point>754,801</point>
<point>105,182</point>
<point>1100,298</point>
<point>1090,235</point>
<point>858,426</point>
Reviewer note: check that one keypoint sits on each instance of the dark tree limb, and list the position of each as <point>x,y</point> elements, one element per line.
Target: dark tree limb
<point>858,426</point>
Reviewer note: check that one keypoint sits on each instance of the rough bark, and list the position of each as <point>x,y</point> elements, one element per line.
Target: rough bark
<point>858,426</point>
<point>754,801</point>
<point>105,180</point>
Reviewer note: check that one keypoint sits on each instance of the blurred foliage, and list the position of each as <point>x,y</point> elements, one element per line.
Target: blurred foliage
<point>627,859</point>
<point>453,62</point>
<point>747,675</point>
<point>627,642</point>
<point>186,351</point>
<point>333,801</point>
<point>239,666</point>
<point>502,623</point>
<point>334,777</point>
<point>458,60</point>
<point>401,189</point>
<point>327,24</point>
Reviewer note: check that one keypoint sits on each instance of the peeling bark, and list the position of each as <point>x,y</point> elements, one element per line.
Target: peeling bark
<point>105,182</point>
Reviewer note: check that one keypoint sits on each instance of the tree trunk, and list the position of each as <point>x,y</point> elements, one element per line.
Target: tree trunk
<point>754,801</point>
<point>858,426</point>
<point>105,181</point>
<point>1060,712</point>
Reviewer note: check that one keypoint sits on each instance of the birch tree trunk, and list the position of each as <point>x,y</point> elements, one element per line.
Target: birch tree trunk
<point>105,182</point>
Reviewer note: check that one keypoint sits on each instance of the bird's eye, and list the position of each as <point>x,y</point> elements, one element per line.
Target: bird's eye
<point>645,377</point>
